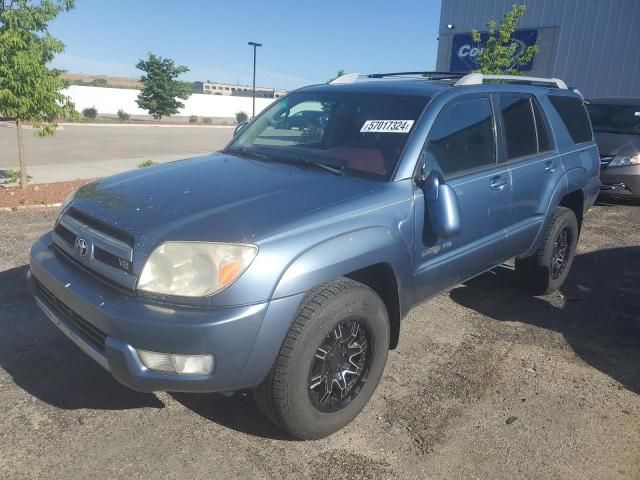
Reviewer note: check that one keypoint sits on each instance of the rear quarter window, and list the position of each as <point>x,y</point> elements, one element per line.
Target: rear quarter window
<point>574,116</point>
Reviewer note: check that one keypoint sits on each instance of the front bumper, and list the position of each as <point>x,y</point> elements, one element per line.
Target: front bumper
<point>110,325</point>
<point>622,181</point>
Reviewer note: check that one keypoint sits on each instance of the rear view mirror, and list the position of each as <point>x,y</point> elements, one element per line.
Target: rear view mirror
<point>239,127</point>
<point>442,206</point>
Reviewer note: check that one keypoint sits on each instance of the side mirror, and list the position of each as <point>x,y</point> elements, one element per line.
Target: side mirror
<point>442,205</point>
<point>239,127</point>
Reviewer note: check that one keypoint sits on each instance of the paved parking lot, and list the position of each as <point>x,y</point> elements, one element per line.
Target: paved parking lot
<point>72,144</point>
<point>563,369</point>
<point>86,151</point>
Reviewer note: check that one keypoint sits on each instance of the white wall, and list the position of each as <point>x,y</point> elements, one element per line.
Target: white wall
<point>110,100</point>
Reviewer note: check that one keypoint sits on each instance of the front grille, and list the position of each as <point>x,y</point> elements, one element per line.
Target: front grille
<point>101,226</point>
<point>90,332</point>
<point>101,249</point>
<point>111,259</point>
<point>66,234</point>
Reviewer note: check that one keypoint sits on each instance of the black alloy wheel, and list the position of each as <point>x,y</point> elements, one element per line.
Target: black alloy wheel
<point>340,366</point>
<point>560,254</point>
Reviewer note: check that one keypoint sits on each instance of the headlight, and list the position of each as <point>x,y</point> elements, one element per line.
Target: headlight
<point>194,269</point>
<point>622,161</point>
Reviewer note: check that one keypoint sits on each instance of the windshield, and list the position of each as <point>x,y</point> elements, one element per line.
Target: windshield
<point>609,118</point>
<point>357,133</point>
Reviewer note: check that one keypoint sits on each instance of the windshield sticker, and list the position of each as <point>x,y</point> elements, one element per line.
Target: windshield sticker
<point>386,126</point>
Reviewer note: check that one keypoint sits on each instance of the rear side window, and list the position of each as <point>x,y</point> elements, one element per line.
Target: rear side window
<point>524,126</point>
<point>574,116</point>
<point>519,126</point>
<point>462,137</point>
<point>544,142</point>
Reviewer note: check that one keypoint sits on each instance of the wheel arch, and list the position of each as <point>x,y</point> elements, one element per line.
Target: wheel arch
<point>374,256</point>
<point>574,201</point>
<point>568,193</point>
<point>382,280</point>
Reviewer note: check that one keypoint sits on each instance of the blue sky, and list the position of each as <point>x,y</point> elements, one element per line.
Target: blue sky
<point>304,42</point>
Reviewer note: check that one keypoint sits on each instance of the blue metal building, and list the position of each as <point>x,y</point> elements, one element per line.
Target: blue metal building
<point>591,44</point>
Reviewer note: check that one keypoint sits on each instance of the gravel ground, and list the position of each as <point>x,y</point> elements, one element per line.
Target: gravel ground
<point>486,383</point>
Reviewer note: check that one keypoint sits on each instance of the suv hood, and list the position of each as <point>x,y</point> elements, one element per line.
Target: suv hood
<point>219,197</point>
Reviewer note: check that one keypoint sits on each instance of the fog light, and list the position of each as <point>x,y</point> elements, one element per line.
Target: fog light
<point>157,361</point>
<point>176,363</point>
<point>193,364</point>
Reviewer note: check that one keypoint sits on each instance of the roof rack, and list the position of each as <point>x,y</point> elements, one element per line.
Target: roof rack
<point>480,78</point>
<point>426,75</point>
<point>348,78</point>
<point>354,77</point>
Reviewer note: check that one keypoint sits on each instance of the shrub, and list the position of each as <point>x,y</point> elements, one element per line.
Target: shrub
<point>90,113</point>
<point>193,119</point>
<point>241,117</point>
<point>123,116</point>
<point>13,175</point>
<point>99,82</point>
<point>147,163</point>
<point>207,119</point>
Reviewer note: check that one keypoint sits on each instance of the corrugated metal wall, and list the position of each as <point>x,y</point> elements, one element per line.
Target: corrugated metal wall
<point>598,44</point>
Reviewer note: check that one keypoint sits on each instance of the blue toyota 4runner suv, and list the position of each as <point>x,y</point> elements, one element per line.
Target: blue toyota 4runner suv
<point>286,262</point>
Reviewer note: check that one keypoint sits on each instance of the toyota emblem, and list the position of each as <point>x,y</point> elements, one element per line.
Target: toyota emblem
<point>82,247</point>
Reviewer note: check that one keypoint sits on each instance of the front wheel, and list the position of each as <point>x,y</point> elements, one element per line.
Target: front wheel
<point>547,269</point>
<point>330,362</point>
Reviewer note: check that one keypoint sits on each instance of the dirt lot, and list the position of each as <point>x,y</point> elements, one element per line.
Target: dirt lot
<point>41,194</point>
<point>486,383</point>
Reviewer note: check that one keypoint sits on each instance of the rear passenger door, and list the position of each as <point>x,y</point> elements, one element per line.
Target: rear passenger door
<point>462,146</point>
<point>534,166</point>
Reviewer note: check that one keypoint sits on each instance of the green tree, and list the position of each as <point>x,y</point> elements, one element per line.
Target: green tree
<point>498,52</point>
<point>29,90</point>
<point>161,89</point>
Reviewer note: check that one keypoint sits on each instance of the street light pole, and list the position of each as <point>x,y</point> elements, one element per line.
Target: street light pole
<point>254,45</point>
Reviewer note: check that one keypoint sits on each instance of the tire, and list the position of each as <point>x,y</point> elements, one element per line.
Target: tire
<point>544,271</point>
<point>294,395</point>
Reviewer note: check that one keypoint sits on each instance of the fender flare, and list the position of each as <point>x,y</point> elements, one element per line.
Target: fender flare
<point>572,181</point>
<point>337,256</point>
<point>328,259</point>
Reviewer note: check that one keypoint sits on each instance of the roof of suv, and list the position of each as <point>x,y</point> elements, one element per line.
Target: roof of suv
<point>413,85</point>
<point>396,86</point>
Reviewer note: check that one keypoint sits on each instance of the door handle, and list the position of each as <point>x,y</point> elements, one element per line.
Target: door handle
<point>498,183</point>
<point>549,166</point>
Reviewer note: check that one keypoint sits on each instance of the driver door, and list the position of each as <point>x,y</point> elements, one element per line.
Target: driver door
<point>462,146</point>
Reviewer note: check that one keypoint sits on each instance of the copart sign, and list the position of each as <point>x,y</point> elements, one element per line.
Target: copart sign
<point>465,51</point>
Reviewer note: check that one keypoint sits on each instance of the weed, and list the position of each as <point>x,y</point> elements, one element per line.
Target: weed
<point>147,163</point>
<point>90,113</point>
<point>13,175</point>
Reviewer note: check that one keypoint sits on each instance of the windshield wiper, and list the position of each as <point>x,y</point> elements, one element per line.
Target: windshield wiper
<point>335,169</point>
<point>248,152</point>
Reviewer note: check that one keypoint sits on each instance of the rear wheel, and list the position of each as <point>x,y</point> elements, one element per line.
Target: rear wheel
<point>330,362</point>
<point>546,270</point>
